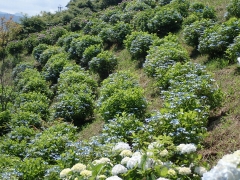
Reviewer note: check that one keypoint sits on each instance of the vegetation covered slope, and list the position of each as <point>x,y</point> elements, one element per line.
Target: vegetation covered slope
<point>121,90</point>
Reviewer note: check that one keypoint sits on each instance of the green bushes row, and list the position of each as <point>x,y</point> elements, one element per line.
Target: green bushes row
<point>119,94</point>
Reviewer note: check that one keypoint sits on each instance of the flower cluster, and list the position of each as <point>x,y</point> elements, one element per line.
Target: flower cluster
<point>121,146</point>
<point>227,167</point>
<point>186,148</point>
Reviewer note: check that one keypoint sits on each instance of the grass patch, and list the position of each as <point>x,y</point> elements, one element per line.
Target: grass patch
<point>224,124</point>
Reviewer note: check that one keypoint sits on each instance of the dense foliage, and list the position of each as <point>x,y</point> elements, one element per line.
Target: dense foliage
<point>77,80</point>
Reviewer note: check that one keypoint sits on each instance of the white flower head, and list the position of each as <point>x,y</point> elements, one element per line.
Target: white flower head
<point>100,177</point>
<point>86,173</point>
<point>186,148</point>
<point>65,172</point>
<point>154,145</point>
<point>126,152</point>
<point>125,160</point>
<point>121,146</point>
<point>184,170</point>
<point>104,160</point>
<point>150,153</point>
<point>137,153</point>
<point>134,161</point>
<point>118,169</point>
<point>114,178</point>
<point>101,161</point>
<point>78,167</point>
<point>161,178</point>
<point>238,60</point>
<point>164,153</point>
<point>230,159</point>
<point>200,170</point>
<point>171,172</point>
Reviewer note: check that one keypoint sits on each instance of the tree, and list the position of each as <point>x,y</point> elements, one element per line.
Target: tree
<point>8,32</point>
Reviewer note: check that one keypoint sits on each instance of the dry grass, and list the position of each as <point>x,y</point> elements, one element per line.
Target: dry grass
<point>223,136</point>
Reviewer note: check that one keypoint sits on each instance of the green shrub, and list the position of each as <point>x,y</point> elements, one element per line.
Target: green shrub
<point>120,80</point>
<point>5,117</point>
<point>7,163</point>
<point>66,39</point>
<point>233,9</point>
<point>138,43</point>
<point>32,168</point>
<point>162,57</point>
<point>25,118</point>
<point>103,64</point>
<point>165,20</point>
<point>15,48</point>
<point>164,2</point>
<point>123,127</point>
<point>74,75</point>
<point>34,102</point>
<point>38,50</point>
<point>130,101</point>
<point>31,80</point>
<point>233,50</point>
<point>89,53</point>
<point>52,142</point>
<point>74,107</point>
<point>94,26</point>
<point>55,33</point>
<point>21,133</point>
<point>181,6</point>
<point>7,95</point>
<point>54,66</point>
<point>136,6</point>
<point>48,53</point>
<point>115,34</point>
<point>79,45</point>
<point>141,19</point>
<point>216,39</point>
<point>111,16</point>
<point>14,147</point>
<point>21,67</point>
<point>32,24</point>
<point>193,32</point>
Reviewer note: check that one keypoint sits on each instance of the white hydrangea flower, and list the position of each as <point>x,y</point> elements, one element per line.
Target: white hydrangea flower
<point>238,60</point>
<point>171,172</point>
<point>101,161</point>
<point>126,152</point>
<point>149,163</point>
<point>186,148</point>
<point>161,178</point>
<point>200,170</point>
<point>134,161</point>
<point>118,169</point>
<point>154,145</point>
<point>159,162</point>
<point>121,146</point>
<point>226,168</point>
<point>137,153</point>
<point>125,160</point>
<point>150,153</point>
<point>104,160</point>
<point>100,177</point>
<point>86,173</point>
<point>78,167</point>
<point>222,172</point>
<point>164,153</point>
<point>230,159</point>
<point>65,172</point>
<point>184,170</point>
<point>114,178</point>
